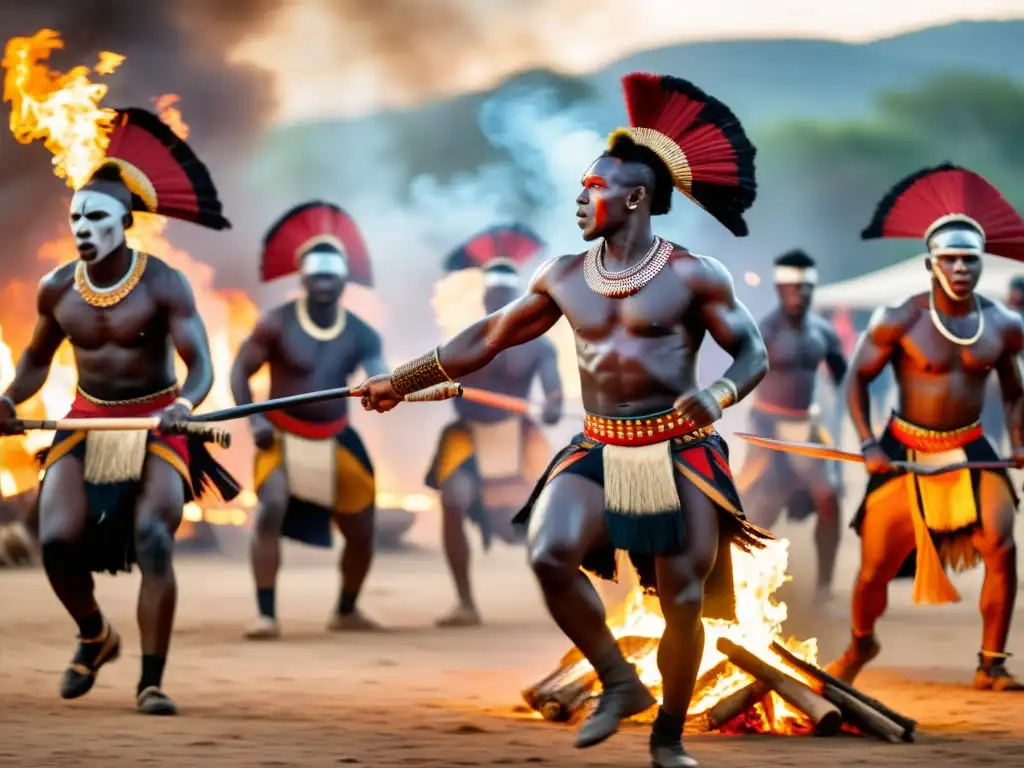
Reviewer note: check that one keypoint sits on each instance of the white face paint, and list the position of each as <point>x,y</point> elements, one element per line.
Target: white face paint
<point>325,263</point>
<point>97,222</point>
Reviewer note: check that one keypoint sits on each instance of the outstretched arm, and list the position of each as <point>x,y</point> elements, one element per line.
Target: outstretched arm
<point>732,327</point>
<point>523,320</point>
<point>875,349</point>
<point>188,334</point>
<point>34,364</point>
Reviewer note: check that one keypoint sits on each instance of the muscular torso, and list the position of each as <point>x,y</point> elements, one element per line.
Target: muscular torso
<point>942,384</point>
<point>637,354</point>
<point>795,353</point>
<point>299,363</point>
<point>511,373</point>
<point>123,351</point>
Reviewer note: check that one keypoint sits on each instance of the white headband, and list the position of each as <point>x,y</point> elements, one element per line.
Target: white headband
<point>796,275</point>
<point>325,263</point>
<point>494,278</point>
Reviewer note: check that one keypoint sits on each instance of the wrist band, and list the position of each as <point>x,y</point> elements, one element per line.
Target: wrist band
<point>186,402</point>
<point>423,372</point>
<point>10,401</point>
<point>868,443</point>
<point>725,392</point>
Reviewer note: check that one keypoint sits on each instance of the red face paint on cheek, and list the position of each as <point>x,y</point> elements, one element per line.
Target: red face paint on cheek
<point>600,213</point>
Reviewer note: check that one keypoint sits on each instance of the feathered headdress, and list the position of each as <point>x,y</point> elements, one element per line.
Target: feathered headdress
<point>954,210</point>
<point>693,142</point>
<point>795,267</point>
<point>500,250</point>
<point>305,227</point>
<point>160,170</point>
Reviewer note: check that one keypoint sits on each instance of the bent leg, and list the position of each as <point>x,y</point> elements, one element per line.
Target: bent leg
<point>356,558</point>
<point>157,516</point>
<point>458,495</point>
<point>995,543</point>
<point>681,579</point>
<point>63,511</point>
<point>887,539</point>
<point>265,553</point>
<point>566,523</point>
<point>816,478</point>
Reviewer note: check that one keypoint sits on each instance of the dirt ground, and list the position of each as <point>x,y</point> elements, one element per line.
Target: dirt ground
<point>417,696</point>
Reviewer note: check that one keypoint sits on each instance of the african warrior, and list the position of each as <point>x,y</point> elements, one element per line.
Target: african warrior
<point>649,474</point>
<point>784,407</point>
<point>311,466</point>
<point>109,500</point>
<point>489,459</point>
<point>942,345</point>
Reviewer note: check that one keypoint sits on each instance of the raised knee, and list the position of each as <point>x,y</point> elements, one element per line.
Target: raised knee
<point>153,547</point>
<point>553,564</point>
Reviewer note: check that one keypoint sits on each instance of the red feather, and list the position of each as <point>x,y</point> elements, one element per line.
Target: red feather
<point>911,207</point>
<point>182,183</point>
<point>717,150</point>
<point>287,240</point>
<point>516,243</point>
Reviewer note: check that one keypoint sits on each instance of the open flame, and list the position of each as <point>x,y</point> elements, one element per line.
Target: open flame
<point>63,111</point>
<point>758,624</point>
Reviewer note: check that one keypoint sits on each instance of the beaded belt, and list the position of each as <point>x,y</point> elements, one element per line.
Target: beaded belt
<point>933,440</point>
<point>163,393</point>
<point>642,431</point>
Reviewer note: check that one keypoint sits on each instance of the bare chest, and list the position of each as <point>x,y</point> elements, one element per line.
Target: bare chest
<point>797,348</point>
<point>301,355</point>
<point>135,321</point>
<point>657,310</point>
<point>926,349</point>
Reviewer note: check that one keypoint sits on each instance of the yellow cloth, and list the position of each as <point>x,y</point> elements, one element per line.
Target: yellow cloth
<point>356,487</point>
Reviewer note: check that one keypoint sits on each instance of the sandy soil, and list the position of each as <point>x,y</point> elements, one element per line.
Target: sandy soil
<point>417,696</point>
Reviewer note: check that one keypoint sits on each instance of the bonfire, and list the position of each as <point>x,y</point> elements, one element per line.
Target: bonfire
<point>751,679</point>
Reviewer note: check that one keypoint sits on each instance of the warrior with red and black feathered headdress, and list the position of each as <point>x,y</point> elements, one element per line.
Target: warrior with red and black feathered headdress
<point>312,469</point>
<point>489,459</point>
<point>943,345</point>
<point>109,500</point>
<point>649,474</point>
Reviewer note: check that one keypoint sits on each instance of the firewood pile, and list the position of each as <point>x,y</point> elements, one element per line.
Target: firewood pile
<point>821,704</point>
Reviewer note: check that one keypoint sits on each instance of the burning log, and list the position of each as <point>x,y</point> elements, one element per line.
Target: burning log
<point>864,712</point>
<point>827,718</point>
<point>564,694</point>
<point>726,710</point>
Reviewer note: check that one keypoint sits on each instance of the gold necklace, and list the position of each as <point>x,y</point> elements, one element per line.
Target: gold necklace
<point>312,329</point>
<point>937,322</point>
<point>618,285</point>
<point>108,297</point>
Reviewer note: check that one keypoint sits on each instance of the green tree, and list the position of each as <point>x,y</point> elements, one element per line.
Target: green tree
<point>823,180</point>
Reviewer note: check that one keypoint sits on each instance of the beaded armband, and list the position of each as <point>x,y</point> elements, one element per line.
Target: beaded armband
<point>725,393</point>
<point>186,402</point>
<point>423,372</point>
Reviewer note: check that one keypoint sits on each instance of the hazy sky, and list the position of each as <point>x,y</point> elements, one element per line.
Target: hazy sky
<point>347,57</point>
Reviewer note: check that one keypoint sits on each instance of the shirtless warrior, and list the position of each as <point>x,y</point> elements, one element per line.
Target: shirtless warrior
<point>784,407</point>
<point>109,500</point>
<point>942,345</point>
<point>311,466</point>
<point>649,474</point>
<point>489,459</point>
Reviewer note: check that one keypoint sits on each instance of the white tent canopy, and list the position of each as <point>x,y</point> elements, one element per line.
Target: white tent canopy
<point>892,285</point>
